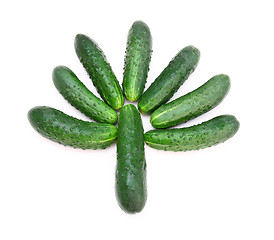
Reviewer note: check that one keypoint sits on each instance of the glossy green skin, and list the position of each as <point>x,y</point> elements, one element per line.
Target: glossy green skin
<point>170,79</point>
<point>131,189</point>
<point>76,93</point>
<point>137,59</point>
<point>99,70</point>
<point>193,104</point>
<point>69,131</point>
<point>206,134</point>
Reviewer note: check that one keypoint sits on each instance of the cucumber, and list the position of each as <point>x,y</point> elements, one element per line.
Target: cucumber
<point>69,131</point>
<point>137,59</point>
<point>76,93</point>
<point>206,134</point>
<point>193,104</point>
<point>130,187</point>
<point>170,79</point>
<point>99,70</point>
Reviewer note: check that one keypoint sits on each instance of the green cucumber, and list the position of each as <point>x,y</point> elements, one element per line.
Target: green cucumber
<point>76,93</point>
<point>137,59</point>
<point>193,104</point>
<point>170,79</point>
<point>130,187</point>
<point>69,131</point>
<point>206,134</point>
<point>99,70</point>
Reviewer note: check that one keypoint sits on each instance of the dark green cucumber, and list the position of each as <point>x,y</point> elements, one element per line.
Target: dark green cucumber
<point>76,93</point>
<point>137,59</point>
<point>131,165</point>
<point>170,79</point>
<point>99,70</point>
<point>206,134</point>
<point>69,131</point>
<point>193,104</point>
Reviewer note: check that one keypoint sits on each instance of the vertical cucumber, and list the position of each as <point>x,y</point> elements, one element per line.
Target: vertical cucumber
<point>69,131</point>
<point>76,93</point>
<point>193,104</point>
<point>99,70</point>
<point>131,165</point>
<point>137,59</point>
<point>170,79</point>
<point>206,134</point>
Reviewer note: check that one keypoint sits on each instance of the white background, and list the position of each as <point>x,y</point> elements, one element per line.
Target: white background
<point>48,191</point>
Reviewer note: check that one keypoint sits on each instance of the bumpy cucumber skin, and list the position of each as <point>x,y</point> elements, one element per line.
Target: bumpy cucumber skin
<point>99,70</point>
<point>130,187</point>
<point>170,79</point>
<point>193,104</point>
<point>69,131</point>
<point>76,93</point>
<point>206,134</point>
<point>137,59</point>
